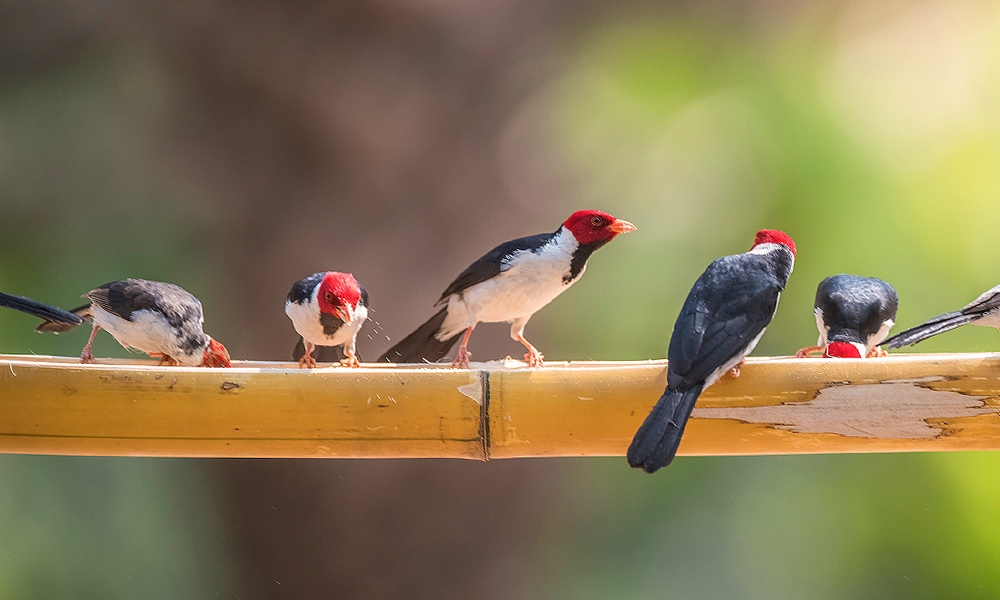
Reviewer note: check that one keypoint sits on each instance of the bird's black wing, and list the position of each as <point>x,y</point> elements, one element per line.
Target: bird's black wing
<point>127,296</point>
<point>730,304</point>
<point>855,303</point>
<point>303,289</point>
<point>491,264</point>
<point>986,302</point>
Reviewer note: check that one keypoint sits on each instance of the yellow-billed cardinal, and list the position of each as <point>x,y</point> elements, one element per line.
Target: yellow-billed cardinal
<point>160,319</point>
<point>37,309</point>
<point>854,315</point>
<point>984,310</point>
<point>327,309</point>
<point>721,321</point>
<point>509,284</point>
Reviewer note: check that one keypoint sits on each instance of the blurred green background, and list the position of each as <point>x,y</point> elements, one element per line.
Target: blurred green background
<point>233,148</point>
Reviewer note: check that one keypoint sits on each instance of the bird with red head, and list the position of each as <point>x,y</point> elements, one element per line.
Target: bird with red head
<point>510,283</point>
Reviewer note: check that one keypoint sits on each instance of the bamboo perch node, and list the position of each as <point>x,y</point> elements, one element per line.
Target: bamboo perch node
<point>900,403</point>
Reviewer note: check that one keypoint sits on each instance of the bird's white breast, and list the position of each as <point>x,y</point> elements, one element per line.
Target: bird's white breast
<point>527,282</point>
<point>305,319</point>
<point>148,331</point>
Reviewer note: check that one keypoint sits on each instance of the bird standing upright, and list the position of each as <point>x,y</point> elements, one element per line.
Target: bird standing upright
<point>854,315</point>
<point>509,284</point>
<point>722,320</point>
<point>327,309</point>
<point>984,311</point>
<point>37,309</point>
<point>161,319</point>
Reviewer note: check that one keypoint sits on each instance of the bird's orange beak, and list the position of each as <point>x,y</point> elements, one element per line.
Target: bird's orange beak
<point>620,226</point>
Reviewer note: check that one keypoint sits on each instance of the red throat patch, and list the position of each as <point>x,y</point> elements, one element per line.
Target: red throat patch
<point>338,291</point>
<point>215,355</point>
<point>774,236</point>
<point>589,226</point>
<point>841,350</point>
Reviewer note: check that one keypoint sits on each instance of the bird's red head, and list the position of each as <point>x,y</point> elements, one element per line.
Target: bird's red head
<point>215,355</point>
<point>589,226</point>
<point>842,350</point>
<point>338,294</point>
<point>773,236</point>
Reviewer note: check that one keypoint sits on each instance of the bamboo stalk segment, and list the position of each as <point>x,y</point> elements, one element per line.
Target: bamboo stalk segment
<point>778,406</point>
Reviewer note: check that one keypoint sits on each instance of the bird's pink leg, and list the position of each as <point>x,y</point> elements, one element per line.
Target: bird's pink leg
<point>735,371</point>
<point>87,355</point>
<point>352,358</point>
<point>307,361</point>
<point>805,352</point>
<point>463,355</point>
<point>533,357</point>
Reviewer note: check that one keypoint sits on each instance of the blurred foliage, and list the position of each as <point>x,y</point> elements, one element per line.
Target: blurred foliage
<point>700,133</point>
<point>111,528</point>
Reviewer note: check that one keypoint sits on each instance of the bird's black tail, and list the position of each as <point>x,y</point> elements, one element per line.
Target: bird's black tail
<point>56,320</point>
<point>656,442</point>
<point>422,345</point>
<point>329,354</point>
<point>937,325</point>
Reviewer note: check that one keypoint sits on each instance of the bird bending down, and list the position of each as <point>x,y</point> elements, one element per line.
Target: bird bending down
<point>161,319</point>
<point>327,309</point>
<point>509,284</point>
<point>37,309</point>
<point>853,315</point>
<point>984,311</point>
<point>722,320</point>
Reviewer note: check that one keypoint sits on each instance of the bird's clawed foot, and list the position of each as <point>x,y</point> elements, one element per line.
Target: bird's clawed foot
<point>87,356</point>
<point>164,359</point>
<point>735,371</point>
<point>877,352</point>
<point>808,351</point>
<point>533,357</point>
<point>462,358</point>
<point>307,362</point>
<point>351,361</point>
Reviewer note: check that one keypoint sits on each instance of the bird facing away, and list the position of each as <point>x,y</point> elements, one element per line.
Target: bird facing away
<point>37,309</point>
<point>161,319</point>
<point>509,283</point>
<point>722,320</point>
<point>984,311</point>
<point>853,315</point>
<point>327,309</point>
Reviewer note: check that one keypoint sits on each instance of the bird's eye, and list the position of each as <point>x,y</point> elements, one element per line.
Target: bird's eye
<point>329,297</point>
<point>597,221</point>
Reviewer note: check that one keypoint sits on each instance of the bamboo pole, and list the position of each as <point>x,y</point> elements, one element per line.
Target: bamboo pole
<point>909,402</point>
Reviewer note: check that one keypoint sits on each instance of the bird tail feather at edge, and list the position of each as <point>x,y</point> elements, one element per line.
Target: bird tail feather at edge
<point>937,325</point>
<point>323,354</point>
<point>656,442</point>
<point>55,326</point>
<point>422,345</point>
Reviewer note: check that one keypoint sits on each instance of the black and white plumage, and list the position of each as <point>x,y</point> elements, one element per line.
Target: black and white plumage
<point>853,315</point>
<point>509,284</point>
<point>37,309</point>
<point>722,320</point>
<point>327,309</point>
<point>161,319</point>
<point>984,311</point>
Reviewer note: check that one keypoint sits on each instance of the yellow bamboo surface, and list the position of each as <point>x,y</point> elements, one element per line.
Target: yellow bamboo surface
<point>779,406</point>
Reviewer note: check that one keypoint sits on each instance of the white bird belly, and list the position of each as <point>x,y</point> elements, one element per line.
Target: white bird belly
<point>148,331</point>
<point>516,293</point>
<point>305,318</point>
